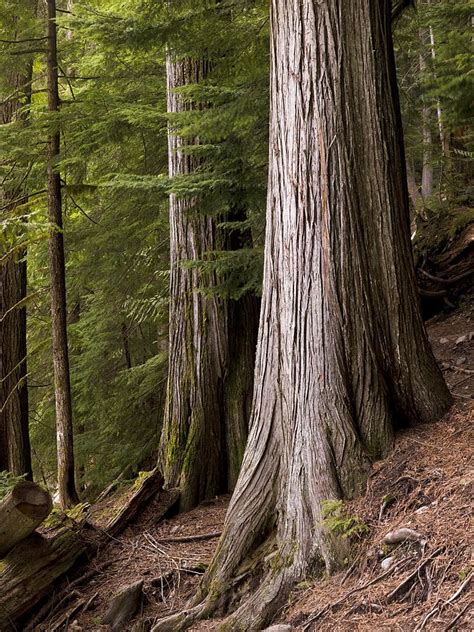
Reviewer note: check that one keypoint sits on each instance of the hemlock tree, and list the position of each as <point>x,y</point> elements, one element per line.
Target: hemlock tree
<point>15,453</point>
<point>62,383</point>
<point>211,340</point>
<point>343,359</point>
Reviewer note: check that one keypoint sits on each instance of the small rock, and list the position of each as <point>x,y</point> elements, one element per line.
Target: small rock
<point>387,563</point>
<point>279,627</point>
<point>402,535</point>
<point>461,339</point>
<point>422,509</point>
<point>461,360</point>
<point>443,341</point>
<point>174,529</point>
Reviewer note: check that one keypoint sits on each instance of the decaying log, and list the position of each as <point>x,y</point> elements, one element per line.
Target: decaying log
<point>123,606</point>
<point>147,488</point>
<point>30,569</point>
<point>21,511</point>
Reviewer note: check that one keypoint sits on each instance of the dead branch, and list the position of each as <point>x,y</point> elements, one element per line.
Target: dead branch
<point>191,538</point>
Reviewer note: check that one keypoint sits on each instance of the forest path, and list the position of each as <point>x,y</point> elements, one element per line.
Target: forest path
<point>428,482</point>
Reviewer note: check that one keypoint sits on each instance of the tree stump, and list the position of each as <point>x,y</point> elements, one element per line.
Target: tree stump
<point>124,605</point>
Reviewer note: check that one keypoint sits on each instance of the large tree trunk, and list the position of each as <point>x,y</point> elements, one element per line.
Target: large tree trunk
<point>201,446</point>
<point>62,383</point>
<point>343,359</point>
<point>15,452</point>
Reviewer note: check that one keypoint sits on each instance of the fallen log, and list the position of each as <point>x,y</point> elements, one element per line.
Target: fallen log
<point>147,487</point>
<point>21,511</point>
<point>30,569</point>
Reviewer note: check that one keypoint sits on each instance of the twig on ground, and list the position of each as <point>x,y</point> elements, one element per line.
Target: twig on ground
<point>192,538</point>
<point>64,618</point>
<point>451,367</point>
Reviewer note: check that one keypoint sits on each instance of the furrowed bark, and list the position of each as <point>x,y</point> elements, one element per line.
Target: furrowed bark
<point>343,359</point>
<point>205,422</point>
<point>15,452</point>
<point>62,383</point>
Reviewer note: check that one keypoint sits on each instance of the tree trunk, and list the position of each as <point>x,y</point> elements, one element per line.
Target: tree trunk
<point>343,359</point>
<point>205,415</point>
<point>427,168</point>
<point>126,346</point>
<point>243,329</point>
<point>443,137</point>
<point>21,511</point>
<point>15,451</point>
<point>413,190</point>
<point>62,383</point>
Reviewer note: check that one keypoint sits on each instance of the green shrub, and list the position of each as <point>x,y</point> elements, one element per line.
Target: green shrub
<point>8,482</point>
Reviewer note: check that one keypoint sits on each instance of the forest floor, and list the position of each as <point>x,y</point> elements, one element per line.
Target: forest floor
<point>426,484</point>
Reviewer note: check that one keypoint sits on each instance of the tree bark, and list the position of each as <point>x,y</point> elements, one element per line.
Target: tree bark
<point>343,359</point>
<point>427,167</point>
<point>21,511</point>
<point>205,414</point>
<point>15,451</point>
<point>62,384</point>
<point>439,112</point>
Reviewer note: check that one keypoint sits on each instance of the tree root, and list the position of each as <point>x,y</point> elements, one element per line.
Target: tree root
<point>253,614</point>
<point>407,582</point>
<point>439,605</point>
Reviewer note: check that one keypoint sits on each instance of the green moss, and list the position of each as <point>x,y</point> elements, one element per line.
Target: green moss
<point>58,516</point>
<point>336,520</point>
<point>141,478</point>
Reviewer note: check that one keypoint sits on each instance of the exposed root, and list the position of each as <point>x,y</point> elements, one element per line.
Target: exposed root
<point>183,620</point>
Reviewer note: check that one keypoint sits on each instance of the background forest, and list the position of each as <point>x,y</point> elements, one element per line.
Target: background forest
<point>113,164</point>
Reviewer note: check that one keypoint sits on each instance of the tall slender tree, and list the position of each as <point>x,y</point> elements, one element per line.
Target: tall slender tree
<point>15,452</point>
<point>343,359</point>
<point>62,384</point>
<point>207,407</point>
